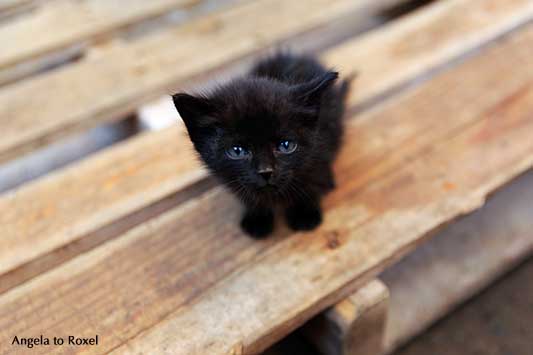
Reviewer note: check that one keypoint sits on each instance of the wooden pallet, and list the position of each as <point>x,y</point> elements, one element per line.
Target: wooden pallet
<point>138,245</point>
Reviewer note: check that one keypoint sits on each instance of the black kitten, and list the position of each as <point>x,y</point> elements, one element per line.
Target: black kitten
<point>271,137</point>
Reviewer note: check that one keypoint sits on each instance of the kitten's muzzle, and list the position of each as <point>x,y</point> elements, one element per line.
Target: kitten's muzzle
<point>265,175</point>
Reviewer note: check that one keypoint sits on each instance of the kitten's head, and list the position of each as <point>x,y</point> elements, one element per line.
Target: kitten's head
<point>256,133</point>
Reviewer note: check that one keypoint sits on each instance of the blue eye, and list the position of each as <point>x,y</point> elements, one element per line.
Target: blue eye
<point>287,147</point>
<point>237,152</point>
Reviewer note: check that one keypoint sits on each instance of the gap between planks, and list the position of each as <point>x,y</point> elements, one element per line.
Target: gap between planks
<point>355,325</point>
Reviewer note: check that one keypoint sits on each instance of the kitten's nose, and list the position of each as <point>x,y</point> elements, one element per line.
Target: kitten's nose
<point>265,173</point>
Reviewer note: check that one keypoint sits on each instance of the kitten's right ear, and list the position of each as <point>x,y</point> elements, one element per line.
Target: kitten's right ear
<point>196,112</point>
<point>309,93</point>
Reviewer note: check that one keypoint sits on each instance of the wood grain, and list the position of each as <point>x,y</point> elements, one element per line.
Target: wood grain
<point>355,325</point>
<point>189,282</point>
<point>405,49</point>
<point>106,86</point>
<point>54,211</point>
<point>63,23</point>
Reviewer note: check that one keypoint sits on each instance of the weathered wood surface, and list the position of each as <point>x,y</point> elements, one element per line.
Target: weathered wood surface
<point>355,325</point>
<point>8,7</point>
<point>106,86</point>
<point>404,49</point>
<point>469,254</point>
<point>52,212</point>
<point>179,285</point>
<point>63,23</point>
<point>460,261</point>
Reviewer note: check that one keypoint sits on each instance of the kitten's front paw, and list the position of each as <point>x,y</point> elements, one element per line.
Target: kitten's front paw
<point>303,218</point>
<point>258,225</point>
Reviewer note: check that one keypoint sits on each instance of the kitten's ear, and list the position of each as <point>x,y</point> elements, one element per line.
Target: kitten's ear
<point>196,112</point>
<point>311,92</point>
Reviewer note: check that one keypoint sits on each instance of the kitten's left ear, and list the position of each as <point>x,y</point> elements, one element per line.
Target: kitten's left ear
<point>196,112</point>
<point>311,92</point>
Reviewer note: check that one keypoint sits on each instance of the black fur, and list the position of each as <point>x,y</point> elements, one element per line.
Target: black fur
<point>285,98</point>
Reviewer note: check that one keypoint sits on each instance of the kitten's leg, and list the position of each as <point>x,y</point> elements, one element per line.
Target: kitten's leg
<point>330,179</point>
<point>304,214</point>
<point>258,222</point>
<point>324,179</point>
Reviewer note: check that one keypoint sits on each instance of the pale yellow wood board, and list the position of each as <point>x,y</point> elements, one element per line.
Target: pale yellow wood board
<point>62,23</point>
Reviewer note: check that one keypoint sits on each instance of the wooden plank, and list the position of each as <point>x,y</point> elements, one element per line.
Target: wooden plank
<point>63,23</point>
<point>109,85</point>
<point>445,29</point>
<point>470,254</point>
<point>355,325</point>
<point>210,289</point>
<point>137,173</point>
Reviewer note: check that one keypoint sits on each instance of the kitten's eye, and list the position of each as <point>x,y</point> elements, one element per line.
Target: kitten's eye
<point>287,147</point>
<point>237,152</point>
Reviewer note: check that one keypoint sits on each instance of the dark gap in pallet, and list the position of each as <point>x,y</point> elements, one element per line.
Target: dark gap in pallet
<point>294,344</point>
<point>403,8</point>
<point>41,65</point>
<point>93,239</point>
